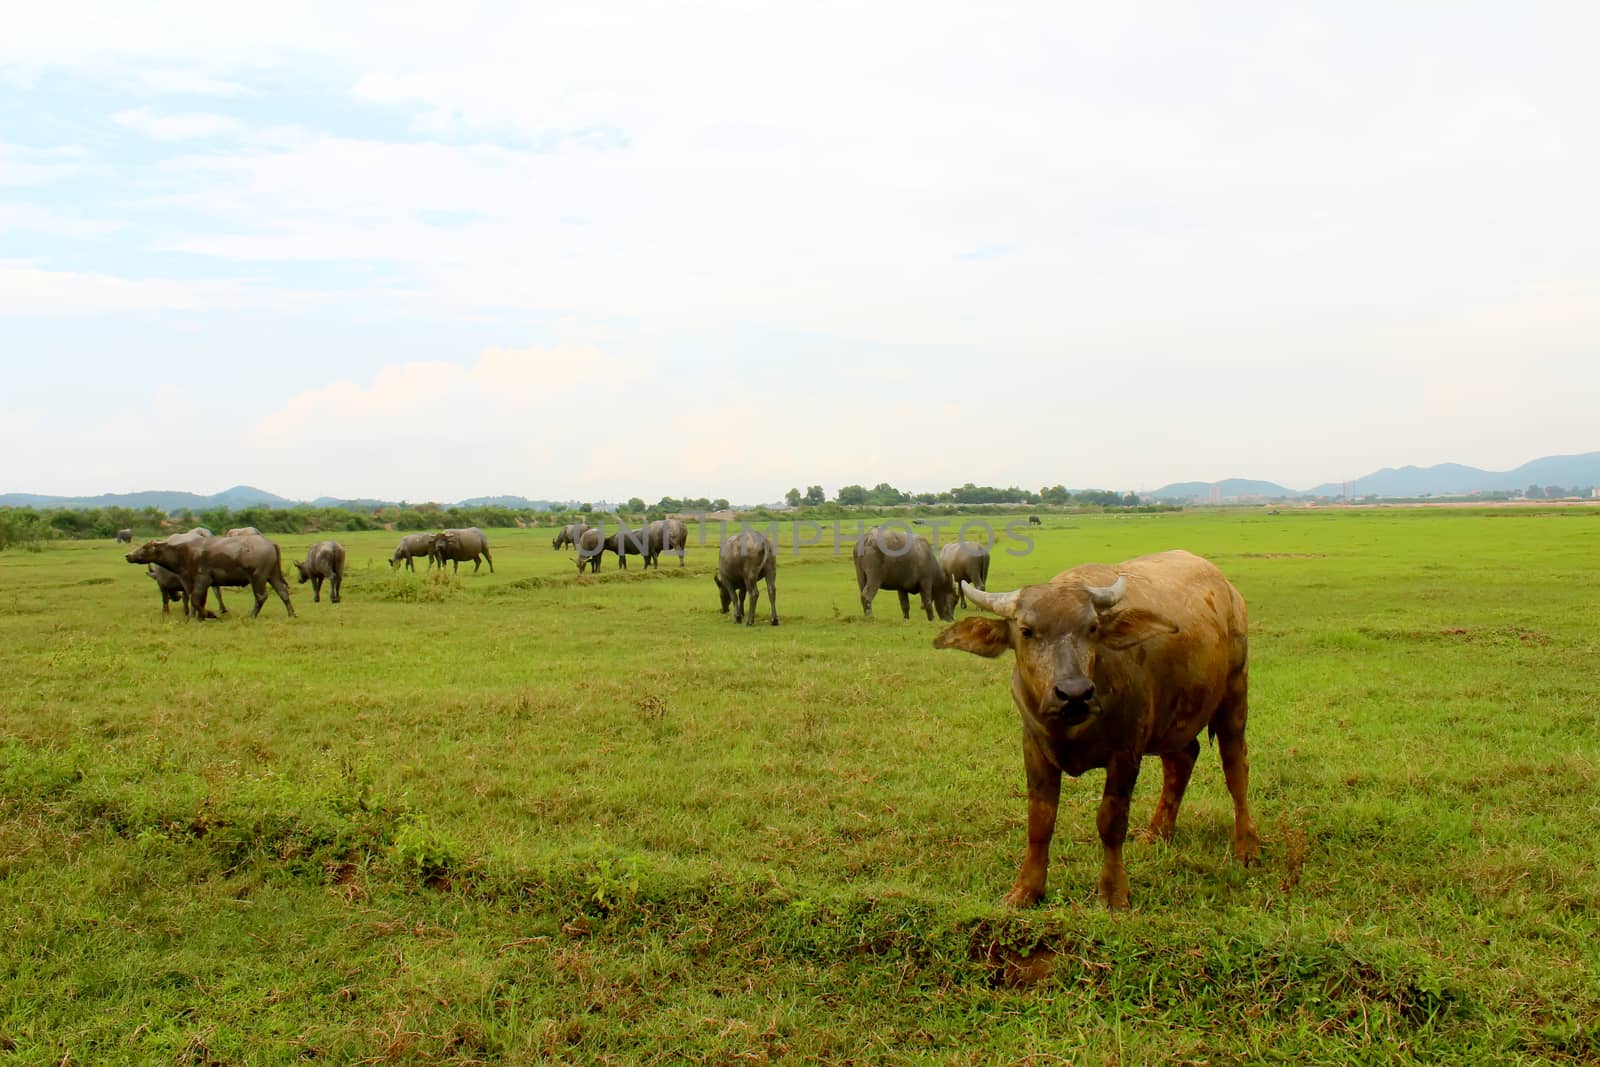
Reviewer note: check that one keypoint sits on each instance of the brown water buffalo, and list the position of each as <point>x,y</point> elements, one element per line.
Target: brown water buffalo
<point>591,546</point>
<point>889,558</point>
<point>171,584</point>
<point>626,542</point>
<point>413,546</point>
<point>241,531</point>
<point>217,561</point>
<point>124,537</point>
<point>965,561</point>
<point>744,560</point>
<point>569,534</point>
<point>1114,664</point>
<point>667,535</point>
<point>324,560</point>
<point>454,546</point>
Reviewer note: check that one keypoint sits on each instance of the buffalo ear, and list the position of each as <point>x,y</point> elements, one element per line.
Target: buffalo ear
<point>978,634</point>
<point>1124,629</point>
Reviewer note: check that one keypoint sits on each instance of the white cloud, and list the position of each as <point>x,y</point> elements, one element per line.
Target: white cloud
<point>189,83</point>
<point>30,291</point>
<point>26,218</point>
<point>1241,227</point>
<point>24,165</point>
<point>177,127</point>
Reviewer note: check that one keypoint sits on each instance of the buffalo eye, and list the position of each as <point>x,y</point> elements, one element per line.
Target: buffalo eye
<point>1027,632</point>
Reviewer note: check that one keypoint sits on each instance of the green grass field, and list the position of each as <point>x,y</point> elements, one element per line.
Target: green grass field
<point>523,816</point>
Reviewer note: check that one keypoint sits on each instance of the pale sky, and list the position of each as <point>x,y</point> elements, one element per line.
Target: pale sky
<point>586,251</point>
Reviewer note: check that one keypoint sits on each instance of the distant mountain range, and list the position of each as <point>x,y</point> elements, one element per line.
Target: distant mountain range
<point>1573,473</point>
<point>241,496</point>
<point>1445,479</point>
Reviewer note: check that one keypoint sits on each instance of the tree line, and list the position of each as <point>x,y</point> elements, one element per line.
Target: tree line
<point>885,495</point>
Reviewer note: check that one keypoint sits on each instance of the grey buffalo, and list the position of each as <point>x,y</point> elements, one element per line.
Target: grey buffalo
<point>124,537</point>
<point>626,542</point>
<point>965,561</point>
<point>241,531</point>
<point>454,546</point>
<point>569,534</point>
<point>411,547</point>
<point>217,561</point>
<point>171,588</point>
<point>744,560</point>
<point>591,546</point>
<point>667,535</point>
<point>887,558</point>
<point>324,562</point>
<point>1114,664</point>
<point>171,584</point>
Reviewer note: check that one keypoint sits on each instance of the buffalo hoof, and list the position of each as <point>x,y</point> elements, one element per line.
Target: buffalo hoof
<point>1114,892</point>
<point>774,622</point>
<point>1023,896</point>
<point>1246,845</point>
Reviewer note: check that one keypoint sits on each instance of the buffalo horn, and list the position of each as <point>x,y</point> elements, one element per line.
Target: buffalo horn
<point>1001,604</point>
<point>1105,597</point>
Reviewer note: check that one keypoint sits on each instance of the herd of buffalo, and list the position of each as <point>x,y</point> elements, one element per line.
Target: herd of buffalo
<point>1111,663</point>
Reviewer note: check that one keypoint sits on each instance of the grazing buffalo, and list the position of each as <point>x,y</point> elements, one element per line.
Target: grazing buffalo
<point>887,558</point>
<point>458,545</point>
<point>1033,520</point>
<point>124,537</point>
<point>241,531</point>
<point>591,545</point>
<point>171,583</point>
<point>626,542</point>
<point>965,561</point>
<point>745,559</point>
<point>666,535</point>
<point>569,534</point>
<point>324,560</point>
<point>413,546</point>
<point>204,562</point>
<point>171,589</point>
<point>1114,664</point>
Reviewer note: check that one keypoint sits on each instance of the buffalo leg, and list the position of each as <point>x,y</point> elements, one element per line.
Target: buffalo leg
<point>489,558</point>
<point>868,591</point>
<point>755,597</point>
<point>280,587</point>
<point>1122,773</point>
<point>1229,725</point>
<point>927,601</point>
<point>222,609</point>
<point>738,604</point>
<point>334,583</point>
<point>316,590</point>
<point>1044,793</point>
<point>260,591</point>
<point>1176,767</point>
<point>772,598</point>
<point>905,605</point>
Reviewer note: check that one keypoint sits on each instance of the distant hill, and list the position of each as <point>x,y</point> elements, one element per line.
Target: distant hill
<point>240,496</point>
<point>516,503</point>
<point>1449,479</point>
<point>1227,489</point>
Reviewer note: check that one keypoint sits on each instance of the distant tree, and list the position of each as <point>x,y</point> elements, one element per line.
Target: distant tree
<point>852,494</point>
<point>1533,492</point>
<point>636,504</point>
<point>586,508</point>
<point>720,504</point>
<point>793,498</point>
<point>885,494</point>
<point>1055,494</point>
<point>815,495</point>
